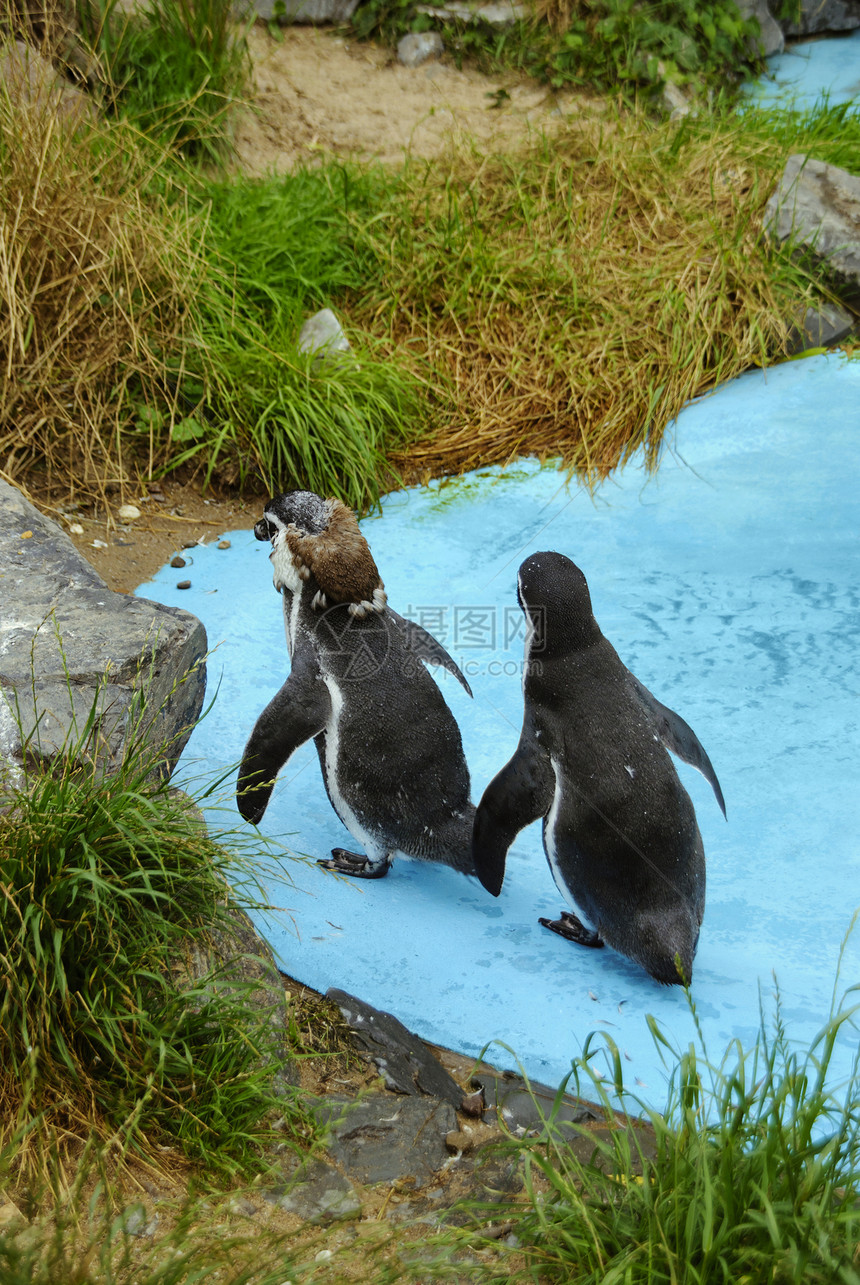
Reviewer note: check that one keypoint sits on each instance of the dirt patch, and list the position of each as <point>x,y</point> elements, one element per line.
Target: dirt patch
<point>318,93</point>
<point>173,517</point>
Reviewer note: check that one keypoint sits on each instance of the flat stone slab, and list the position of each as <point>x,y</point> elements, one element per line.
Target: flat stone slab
<point>69,647</point>
<point>378,1139</point>
<point>522,1107</point>
<point>819,206</point>
<point>318,1193</point>
<point>502,14</point>
<point>402,1059</point>
<point>824,15</point>
<point>309,12</point>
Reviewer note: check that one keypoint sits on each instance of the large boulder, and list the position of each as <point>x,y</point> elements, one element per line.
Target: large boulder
<point>818,205</point>
<point>74,653</point>
<point>308,12</point>
<point>823,15</point>
<point>770,39</point>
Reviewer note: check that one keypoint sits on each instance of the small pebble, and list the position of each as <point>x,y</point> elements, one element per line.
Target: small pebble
<point>189,544</point>
<point>99,544</point>
<point>184,584</point>
<point>177,561</point>
<point>26,535</point>
<point>76,529</point>
<point>473,1103</point>
<point>223,544</point>
<point>239,1205</point>
<point>323,1256</point>
<point>128,512</point>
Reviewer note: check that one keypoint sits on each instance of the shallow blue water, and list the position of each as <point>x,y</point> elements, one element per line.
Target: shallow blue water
<point>801,76</point>
<point>728,583</point>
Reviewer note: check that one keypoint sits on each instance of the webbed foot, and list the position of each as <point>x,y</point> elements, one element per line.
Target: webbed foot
<point>572,929</point>
<point>355,864</point>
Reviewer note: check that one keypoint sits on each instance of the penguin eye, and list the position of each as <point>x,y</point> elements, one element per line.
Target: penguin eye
<point>265,530</point>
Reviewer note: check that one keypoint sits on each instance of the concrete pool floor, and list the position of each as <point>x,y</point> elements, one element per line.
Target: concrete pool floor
<point>728,584</point>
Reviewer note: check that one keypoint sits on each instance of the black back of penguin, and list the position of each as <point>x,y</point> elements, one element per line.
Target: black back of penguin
<point>389,747</point>
<point>620,832</point>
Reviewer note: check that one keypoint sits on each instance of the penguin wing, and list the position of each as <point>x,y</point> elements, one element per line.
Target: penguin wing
<point>426,648</point>
<point>516,796</point>
<point>298,712</point>
<point>679,737</point>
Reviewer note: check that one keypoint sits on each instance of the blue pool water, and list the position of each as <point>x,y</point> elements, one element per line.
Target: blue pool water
<point>728,583</point>
<point>806,72</point>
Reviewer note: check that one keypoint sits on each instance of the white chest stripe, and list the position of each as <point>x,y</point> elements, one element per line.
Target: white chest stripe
<point>551,846</point>
<point>332,746</point>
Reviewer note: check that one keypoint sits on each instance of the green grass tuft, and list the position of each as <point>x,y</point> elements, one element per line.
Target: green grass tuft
<point>175,68</point>
<point>109,883</point>
<point>280,249</point>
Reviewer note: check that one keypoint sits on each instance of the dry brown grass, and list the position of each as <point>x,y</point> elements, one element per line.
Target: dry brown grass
<point>573,296</point>
<point>93,280</point>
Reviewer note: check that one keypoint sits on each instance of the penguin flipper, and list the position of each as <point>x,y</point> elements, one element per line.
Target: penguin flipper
<point>298,712</point>
<point>426,648</point>
<point>516,796</point>
<point>679,737</point>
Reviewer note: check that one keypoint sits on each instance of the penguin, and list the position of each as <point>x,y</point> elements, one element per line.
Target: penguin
<point>619,829</point>
<point>389,747</point>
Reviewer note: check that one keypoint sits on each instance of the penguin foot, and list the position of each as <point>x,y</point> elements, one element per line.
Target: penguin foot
<point>571,929</point>
<point>355,864</point>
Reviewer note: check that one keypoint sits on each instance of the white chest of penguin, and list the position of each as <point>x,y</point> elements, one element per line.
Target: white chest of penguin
<point>333,767</point>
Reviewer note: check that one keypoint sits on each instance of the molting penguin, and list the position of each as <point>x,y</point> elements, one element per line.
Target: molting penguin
<point>389,747</point>
<point>619,830</point>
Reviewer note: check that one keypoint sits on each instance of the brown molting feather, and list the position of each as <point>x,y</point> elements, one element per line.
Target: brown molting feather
<point>340,560</point>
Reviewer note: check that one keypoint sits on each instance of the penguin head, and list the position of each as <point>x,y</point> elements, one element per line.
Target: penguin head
<point>317,544</point>
<point>553,594</point>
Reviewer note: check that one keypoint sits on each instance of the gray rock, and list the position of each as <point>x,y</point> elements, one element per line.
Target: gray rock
<point>819,327</point>
<point>69,645</point>
<point>675,102</point>
<point>136,1222</point>
<point>317,1193</point>
<point>819,206</point>
<point>419,47</point>
<point>522,1107</point>
<point>770,39</point>
<point>402,1059</point>
<point>31,81</point>
<point>500,15</point>
<point>322,334</point>
<point>310,12</point>
<point>380,1139</point>
<point>824,15</point>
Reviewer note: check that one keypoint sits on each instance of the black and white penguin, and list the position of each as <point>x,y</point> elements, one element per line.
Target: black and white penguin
<point>619,829</point>
<point>389,747</point>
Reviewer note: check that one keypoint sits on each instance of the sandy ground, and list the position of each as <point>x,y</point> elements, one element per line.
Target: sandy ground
<point>319,92</point>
